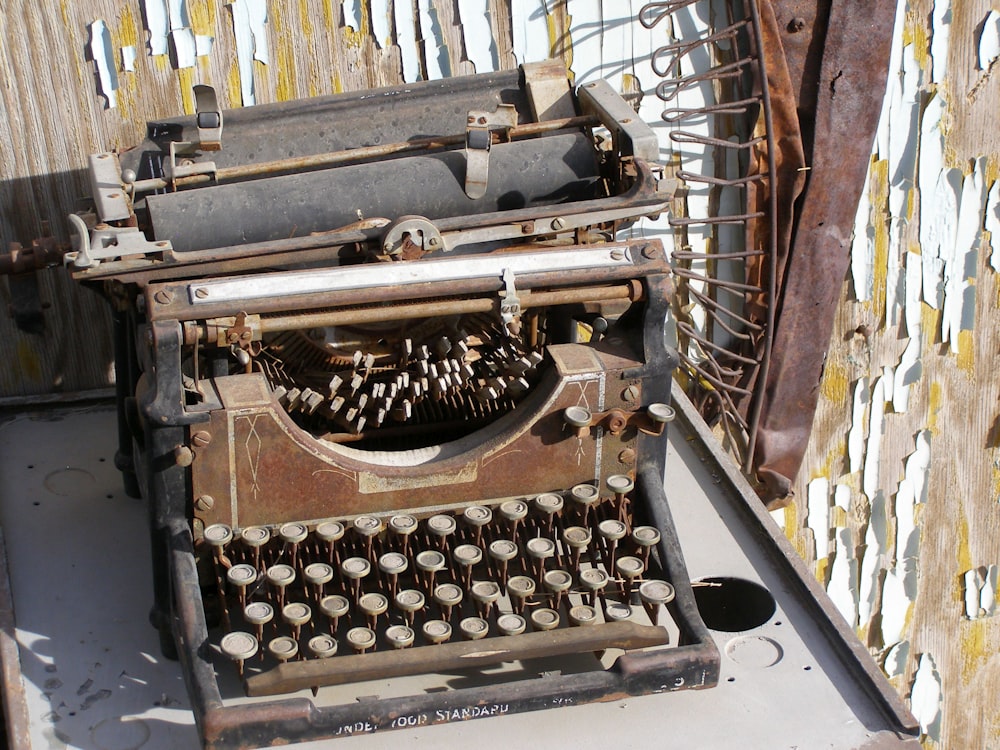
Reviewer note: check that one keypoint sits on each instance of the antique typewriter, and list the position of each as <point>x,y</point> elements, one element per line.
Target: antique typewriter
<point>396,392</point>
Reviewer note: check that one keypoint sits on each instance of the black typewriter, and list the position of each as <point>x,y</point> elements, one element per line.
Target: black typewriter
<point>397,392</point>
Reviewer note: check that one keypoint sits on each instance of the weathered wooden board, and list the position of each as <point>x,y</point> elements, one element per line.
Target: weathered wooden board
<point>911,390</point>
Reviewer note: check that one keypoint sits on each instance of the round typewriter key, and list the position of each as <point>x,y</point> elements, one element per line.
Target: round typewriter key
<point>402,526</point>
<point>594,580</point>
<point>466,556</point>
<point>392,563</point>
<point>322,646</point>
<point>520,588</point>
<point>484,594</point>
<point>513,510</point>
<point>355,568</point>
<point>474,628</point>
<point>255,537</point>
<point>239,577</point>
<point>628,569</point>
<point>582,614</point>
<point>440,528</point>
<point>361,639</point>
<point>617,612</point>
<point>283,648</point>
<point>612,530</point>
<point>661,413</point>
<point>645,537</point>
<point>447,595</point>
<point>239,647</point>
<point>218,535</point>
<point>544,618</point>
<point>373,605</point>
<point>334,607</point>
<point>296,614</point>
<point>399,636</point>
<point>293,533</point>
<point>318,575</point>
<point>557,582</point>
<point>502,551</point>
<point>477,516</point>
<point>258,613</point>
<point>409,601</point>
<point>429,562</point>
<point>655,593</point>
<point>436,631</point>
<point>280,576</point>
<point>540,549</point>
<point>367,526</point>
<point>577,538</point>
<point>549,503</point>
<point>577,416</point>
<point>619,484</point>
<point>329,532</point>
<point>585,494</point>
<point>511,624</point>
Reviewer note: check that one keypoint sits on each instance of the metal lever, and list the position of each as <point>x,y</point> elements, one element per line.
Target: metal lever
<point>478,139</point>
<point>510,305</point>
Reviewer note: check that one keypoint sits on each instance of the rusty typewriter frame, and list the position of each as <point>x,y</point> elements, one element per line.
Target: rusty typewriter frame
<point>179,293</point>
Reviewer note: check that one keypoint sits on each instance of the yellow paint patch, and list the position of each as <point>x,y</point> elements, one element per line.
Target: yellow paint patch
<point>186,80</point>
<point>338,85</point>
<point>161,63</point>
<point>976,645</point>
<point>838,517</point>
<point>285,53</point>
<point>879,187</point>
<point>201,17</point>
<point>966,359</point>
<point>821,568</point>
<point>930,324</point>
<point>233,85</point>
<point>835,384</point>
<point>305,19</point>
<point>935,401</point>
<point>915,33</point>
<point>27,358</point>
<point>127,32</point>
<point>963,555</point>
<point>357,38</point>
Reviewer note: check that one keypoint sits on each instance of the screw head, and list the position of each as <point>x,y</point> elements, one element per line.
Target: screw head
<point>631,393</point>
<point>201,438</point>
<point>558,222</point>
<point>204,503</point>
<point>163,296</point>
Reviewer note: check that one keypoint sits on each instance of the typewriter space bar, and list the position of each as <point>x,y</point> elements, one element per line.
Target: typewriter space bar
<point>292,676</point>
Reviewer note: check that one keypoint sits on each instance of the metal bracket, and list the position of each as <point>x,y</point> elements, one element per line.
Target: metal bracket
<point>410,237</point>
<point>209,118</point>
<point>105,242</point>
<point>510,305</point>
<point>478,139</point>
<point>632,136</point>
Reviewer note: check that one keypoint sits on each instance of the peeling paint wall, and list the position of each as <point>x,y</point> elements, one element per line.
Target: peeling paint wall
<point>913,446</point>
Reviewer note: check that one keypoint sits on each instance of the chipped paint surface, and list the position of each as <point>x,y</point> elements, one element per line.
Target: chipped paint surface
<point>406,40</point>
<point>250,27</point>
<point>104,60</point>
<point>435,50</point>
<point>480,47</point>
<point>989,40</point>
<point>380,23</point>
<point>530,30</point>
<point>925,697</point>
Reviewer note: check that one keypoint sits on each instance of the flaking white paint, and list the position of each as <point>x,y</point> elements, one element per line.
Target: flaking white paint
<point>381,28</point>
<point>250,28</point>
<point>818,518</point>
<point>925,696</point>
<point>435,51</point>
<point>406,39</point>
<point>480,46</point>
<point>989,40</point>
<point>104,61</point>
<point>856,435</point>
<point>940,32</point>
<point>992,224</point>
<point>530,30</point>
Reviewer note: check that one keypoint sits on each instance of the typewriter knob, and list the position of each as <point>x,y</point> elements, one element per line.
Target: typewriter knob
<point>239,646</point>
<point>258,613</point>
<point>617,612</point>
<point>283,648</point>
<point>582,614</point>
<point>511,624</point>
<point>361,639</point>
<point>578,417</point>
<point>653,594</point>
<point>323,646</point>
<point>436,631</point>
<point>400,636</point>
<point>544,618</point>
<point>474,628</point>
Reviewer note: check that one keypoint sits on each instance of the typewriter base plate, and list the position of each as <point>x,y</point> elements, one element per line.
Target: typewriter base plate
<point>90,673</point>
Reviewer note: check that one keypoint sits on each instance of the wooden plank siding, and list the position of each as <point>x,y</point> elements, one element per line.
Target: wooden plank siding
<point>916,620</point>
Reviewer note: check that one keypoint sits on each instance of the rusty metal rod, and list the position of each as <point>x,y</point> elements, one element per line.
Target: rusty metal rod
<point>292,676</point>
<point>333,158</point>
<point>296,321</point>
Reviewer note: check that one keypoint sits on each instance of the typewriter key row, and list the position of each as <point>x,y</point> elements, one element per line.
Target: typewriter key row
<point>368,584</point>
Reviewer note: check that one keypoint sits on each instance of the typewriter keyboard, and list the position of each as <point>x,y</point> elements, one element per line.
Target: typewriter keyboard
<point>569,565</point>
